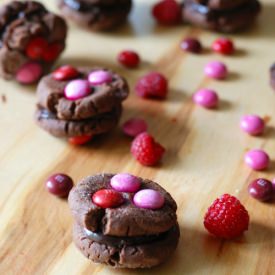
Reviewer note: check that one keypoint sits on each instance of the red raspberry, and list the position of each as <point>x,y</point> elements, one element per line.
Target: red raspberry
<point>226,218</point>
<point>129,59</point>
<point>152,85</point>
<point>167,12</point>
<point>36,48</point>
<point>223,46</point>
<point>146,150</point>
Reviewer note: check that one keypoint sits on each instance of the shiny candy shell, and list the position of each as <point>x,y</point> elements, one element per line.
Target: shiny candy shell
<point>107,198</point>
<point>216,69</point>
<point>206,98</point>
<point>59,185</point>
<point>29,73</point>
<point>65,72</point>
<point>257,159</point>
<point>80,140</point>
<point>134,127</point>
<point>252,124</point>
<point>125,183</point>
<point>100,77</point>
<point>77,89</point>
<point>148,199</point>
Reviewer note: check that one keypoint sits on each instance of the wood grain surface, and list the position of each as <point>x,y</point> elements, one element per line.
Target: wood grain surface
<point>204,157</point>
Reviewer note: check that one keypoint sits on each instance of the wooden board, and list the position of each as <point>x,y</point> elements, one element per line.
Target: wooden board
<point>204,157</point>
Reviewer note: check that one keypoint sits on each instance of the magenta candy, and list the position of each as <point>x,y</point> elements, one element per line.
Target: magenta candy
<point>148,199</point>
<point>134,127</point>
<point>29,73</point>
<point>261,189</point>
<point>77,89</point>
<point>257,159</point>
<point>100,77</point>
<point>252,124</point>
<point>125,183</point>
<point>273,184</point>
<point>216,69</point>
<point>206,98</point>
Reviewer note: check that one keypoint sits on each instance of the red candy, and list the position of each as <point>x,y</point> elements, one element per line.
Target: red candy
<point>59,185</point>
<point>224,46</point>
<point>167,12</point>
<point>51,53</point>
<point>80,140</point>
<point>36,48</point>
<point>65,72</point>
<point>107,198</point>
<point>129,59</point>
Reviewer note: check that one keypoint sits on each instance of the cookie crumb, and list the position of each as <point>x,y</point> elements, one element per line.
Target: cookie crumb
<point>3,98</point>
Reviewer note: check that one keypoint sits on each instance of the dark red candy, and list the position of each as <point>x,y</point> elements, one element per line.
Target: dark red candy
<point>36,48</point>
<point>80,140</point>
<point>59,185</point>
<point>223,46</point>
<point>129,59</point>
<point>107,198</point>
<point>261,189</point>
<point>52,52</point>
<point>65,72</point>
<point>192,45</point>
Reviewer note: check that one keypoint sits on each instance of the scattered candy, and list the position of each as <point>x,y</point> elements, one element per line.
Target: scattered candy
<point>152,85</point>
<point>216,69</point>
<point>206,98</point>
<point>59,185</point>
<point>52,52</point>
<point>192,45</point>
<point>107,198</point>
<point>36,47</point>
<point>66,72</point>
<point>100,77</point>
<point>149,199</point>
<point>146,150</point>
<point>29,73</point>
<point>226,218</point>
<point>257,159</point>
<point>252,124</point>
<point>125,183</point>
<point>261,189</point>
<point>129,59</point>
<point>224,46</point>
<point>167,12</point>
<point>273,184</point>
<point>134,127</point>
<point>77,89</point>
<point>80,140</point>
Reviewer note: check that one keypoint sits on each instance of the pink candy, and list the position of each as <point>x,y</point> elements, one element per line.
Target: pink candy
<point>134,127</point>
<point>148,199</point>
<point>252,124</point>
<point>29,73</point>
<point>257,159</point>
<point>273,184</point>
<point>125,183</point>
<point>216,69</point>
<point>77,89</point>
<point>100,77</point>
<point>206,98</point>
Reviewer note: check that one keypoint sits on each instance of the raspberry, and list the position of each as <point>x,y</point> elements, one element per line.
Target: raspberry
<point>129,59</point>
<point>146,150</point>
<point>167,12</point>
<point>152,85</point>
<point>226,218</point>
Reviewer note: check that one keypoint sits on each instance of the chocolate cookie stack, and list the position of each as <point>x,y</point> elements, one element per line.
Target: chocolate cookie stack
<point>96,15</point>
<point>124,221</point>
<point>221,15</point>
<point>77,102</point>
<point>31,40</point>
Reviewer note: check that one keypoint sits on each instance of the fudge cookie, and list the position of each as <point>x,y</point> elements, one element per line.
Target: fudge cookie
<point>124,221</point>
<point>97,15</point>
<point>226,20</point>
<point>31,40</point>
<point>272,76</point>
<point>105,90</point>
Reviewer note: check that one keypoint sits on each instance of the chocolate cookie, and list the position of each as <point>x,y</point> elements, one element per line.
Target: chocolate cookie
<point>68,128</point>
<point>221,4</point>
<point>102,99</point>
<point>272,76</point>
<point>97,15</point>
<point>31,39</point>
<point>124,221</point>
<point>228,20</point>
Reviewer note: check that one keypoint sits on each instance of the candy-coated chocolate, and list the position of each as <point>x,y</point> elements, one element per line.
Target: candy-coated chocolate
<point>77,89</point>
<point>257,159</point>
<point>149,199</point>
<point>273,184</point>
<point>129,59</point>
<point>192,45</point>
<point>29,73</point>
<point>252,124</point>
<point>65,72</point>
<point>207,98</point>
<point>51,53</point>
<point>216,69</point>
<point>125,183</point>
<point>59,185</point>
<point>224,46</point>
<point>261,189</point>
<point>80,140</point>
<point>100,77</point>
<point>134,127</point>
<point>36,47</point>
<point>107,198</point>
